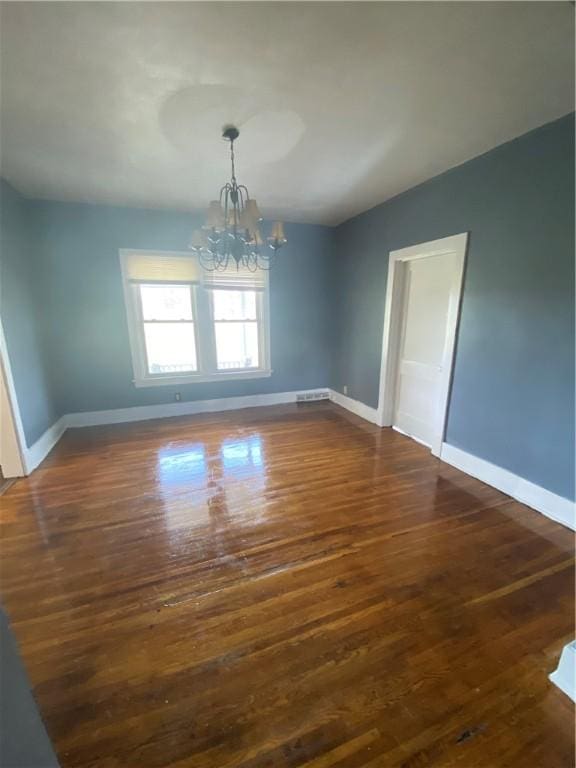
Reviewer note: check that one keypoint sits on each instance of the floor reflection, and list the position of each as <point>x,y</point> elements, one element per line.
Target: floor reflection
<point>181,464</point>
<point>242,456</point>
<point>241,477</point>
<point>203,486</point>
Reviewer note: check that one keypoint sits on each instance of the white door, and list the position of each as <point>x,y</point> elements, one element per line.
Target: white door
<point>428,289</point>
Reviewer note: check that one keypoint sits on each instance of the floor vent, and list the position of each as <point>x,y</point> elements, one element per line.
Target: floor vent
<point>306,397</point>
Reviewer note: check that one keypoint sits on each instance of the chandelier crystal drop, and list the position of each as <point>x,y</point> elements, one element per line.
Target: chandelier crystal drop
<point>231,233</point>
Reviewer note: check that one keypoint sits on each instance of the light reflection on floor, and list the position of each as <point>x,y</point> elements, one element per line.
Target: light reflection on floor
<point>191,483</point>
<point>185,463</point>
<point>242,456</point>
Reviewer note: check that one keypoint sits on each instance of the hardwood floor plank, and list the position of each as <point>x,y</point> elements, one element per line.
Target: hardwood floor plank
<point>286,586</point>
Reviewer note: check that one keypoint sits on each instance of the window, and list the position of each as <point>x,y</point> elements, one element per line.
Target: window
<point>236,328</point>
<point>189,326</point>
<point>168,321</point>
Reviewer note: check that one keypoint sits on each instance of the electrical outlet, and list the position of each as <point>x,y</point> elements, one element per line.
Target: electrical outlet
<point>345,389</point>
<point>177,397</point>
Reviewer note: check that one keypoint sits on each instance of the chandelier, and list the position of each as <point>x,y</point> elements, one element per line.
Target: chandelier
<point>231,234</point>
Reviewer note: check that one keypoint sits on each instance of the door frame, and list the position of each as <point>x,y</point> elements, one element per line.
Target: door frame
<point>14,442</point>
<point>392,331</point>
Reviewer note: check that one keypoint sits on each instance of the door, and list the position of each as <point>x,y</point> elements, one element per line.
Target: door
<point>422,355</point>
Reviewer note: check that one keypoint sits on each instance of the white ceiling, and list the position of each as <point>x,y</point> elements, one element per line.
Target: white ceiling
<point>341,105</point>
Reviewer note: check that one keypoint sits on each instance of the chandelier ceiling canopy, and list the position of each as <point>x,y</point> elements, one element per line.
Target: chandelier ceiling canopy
<point>231,233</point>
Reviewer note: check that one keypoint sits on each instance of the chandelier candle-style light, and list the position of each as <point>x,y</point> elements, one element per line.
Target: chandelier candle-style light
<point>231,234</point>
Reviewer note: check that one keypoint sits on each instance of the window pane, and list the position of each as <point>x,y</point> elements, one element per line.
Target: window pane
<point>170,347</point>
<point>237,345</point>
<point>234,305</point>
<point>166,302</point>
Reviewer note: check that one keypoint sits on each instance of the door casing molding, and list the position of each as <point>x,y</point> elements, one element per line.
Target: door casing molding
<point>456,245</point>
<point>15,464</point>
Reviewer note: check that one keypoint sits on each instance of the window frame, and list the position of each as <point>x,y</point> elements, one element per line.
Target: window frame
<point>204,331</point>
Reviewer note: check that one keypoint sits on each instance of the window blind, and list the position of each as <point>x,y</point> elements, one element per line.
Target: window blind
<point>161,268</point>
<point>235,279</point>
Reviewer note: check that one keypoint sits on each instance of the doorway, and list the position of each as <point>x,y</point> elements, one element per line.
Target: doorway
<point>420,324</point>
<point>11,435</point>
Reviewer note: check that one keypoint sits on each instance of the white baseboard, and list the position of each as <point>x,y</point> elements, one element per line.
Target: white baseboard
<point>355,406</point>
<point>565,674</point>
<point>188,408</point>
<point>37,452</point>
<point>550,504</point>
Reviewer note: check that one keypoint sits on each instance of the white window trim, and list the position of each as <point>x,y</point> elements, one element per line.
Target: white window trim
<point>138,353</point>
<point>163,380</point>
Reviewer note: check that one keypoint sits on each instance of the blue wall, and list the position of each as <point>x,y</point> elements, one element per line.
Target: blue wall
<point>20,319</point>
<point>88,345</point>
<point>512,399</point>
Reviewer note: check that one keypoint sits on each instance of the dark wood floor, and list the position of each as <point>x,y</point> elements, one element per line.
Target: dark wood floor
<point>284,587</point>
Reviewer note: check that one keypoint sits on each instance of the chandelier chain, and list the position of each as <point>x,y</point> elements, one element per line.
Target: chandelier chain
<point>232,161</point>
